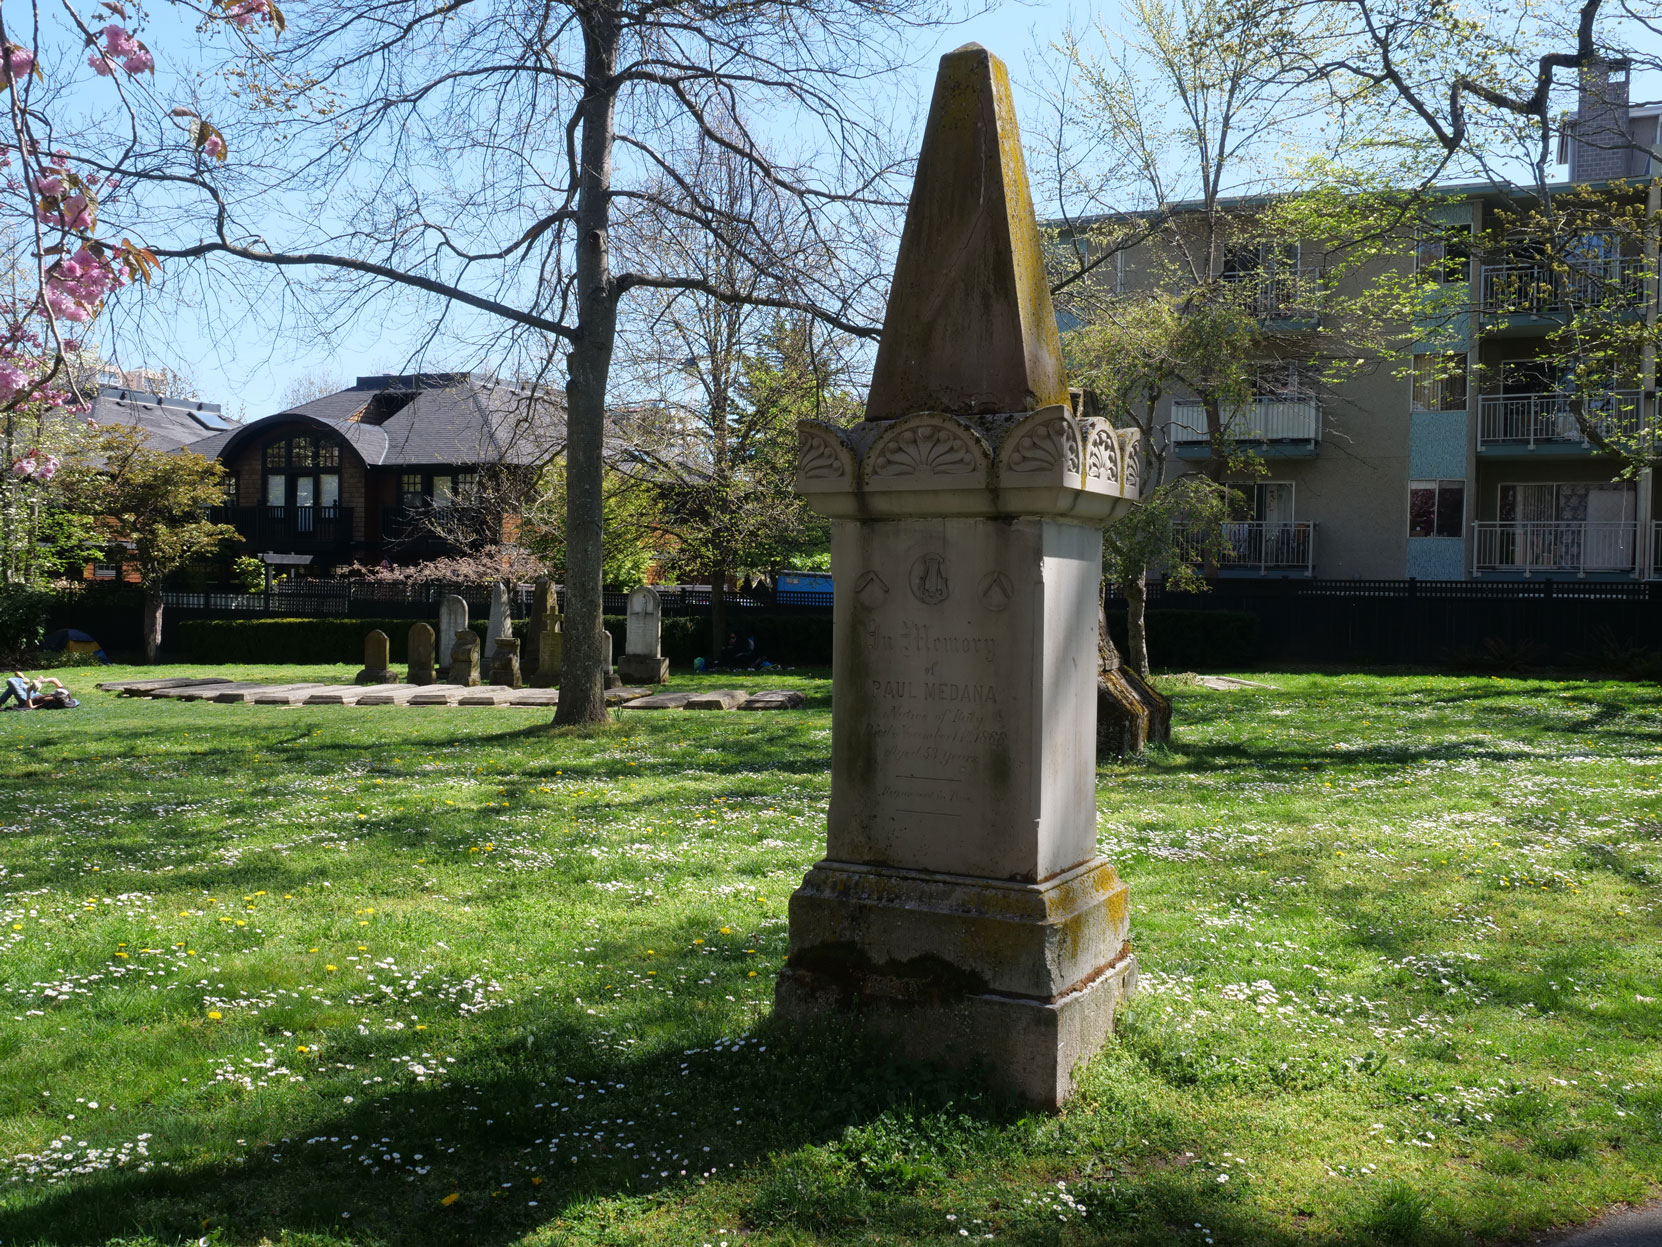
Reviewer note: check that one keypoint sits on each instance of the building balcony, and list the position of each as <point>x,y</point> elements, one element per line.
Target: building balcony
<point>1655,572</point>
<point>1290,297</point>
<point>1257,546</point>
<point>1275,427</point>
<point>289,529</point>
<point>1546,423</point>
<point>1538,289</point>
<point>1555,547</point>
<point>430,532</point>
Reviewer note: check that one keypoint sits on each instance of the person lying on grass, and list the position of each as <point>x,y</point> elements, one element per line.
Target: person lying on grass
<point>35,695</point>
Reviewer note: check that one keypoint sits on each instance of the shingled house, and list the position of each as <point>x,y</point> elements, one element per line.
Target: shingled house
<point>396,468</point>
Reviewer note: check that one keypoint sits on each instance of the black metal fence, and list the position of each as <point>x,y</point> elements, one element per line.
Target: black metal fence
<point>1361,623</point>
<point>1430,622</point>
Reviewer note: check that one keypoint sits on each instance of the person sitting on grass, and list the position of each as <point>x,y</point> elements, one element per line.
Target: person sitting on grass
<point>35,695</point>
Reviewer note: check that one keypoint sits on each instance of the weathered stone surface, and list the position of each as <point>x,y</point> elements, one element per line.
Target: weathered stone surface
<point>774,699</point>
<point>403,696</point>
<point>501,620</point>
<point>291,695</point>
<point>246,696</point>
<point>203,692</point>
<point>640,669</point>
<point>138,688</point>
<point>419,648</point>
<point>437,694</point>
<point>336,695</point>
<point>505,665</point>
<point>717,699</point>
<point>452,617</point>
<point>660,701</point>
<point>644,624</point>
<point>625,693</point>
<point>606,664</point>
<point>536,697</point>
<point>487,695</point>
<point>544,605</point>
<point>1130,715</point>
<point>377,661</point>
<point>969,326</point>
<point>550,655</point>
<point>464,659</point>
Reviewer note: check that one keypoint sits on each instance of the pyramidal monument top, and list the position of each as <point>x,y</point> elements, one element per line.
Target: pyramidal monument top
<point>970,328</point>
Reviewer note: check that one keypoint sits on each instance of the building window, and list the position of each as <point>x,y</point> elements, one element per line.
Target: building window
<point>1444,254</point>
<point>1436,508</point>
<point>277,455</point>
<point>300,452</point>
<point>328,453</point>
<point>1440,382</point>
<point>1264,502</point>
<point>228,486</point>
<point>467,487</point>
<point>410,492</point>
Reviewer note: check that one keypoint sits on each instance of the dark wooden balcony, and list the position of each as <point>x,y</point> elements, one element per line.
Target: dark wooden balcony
<point>289,529</point>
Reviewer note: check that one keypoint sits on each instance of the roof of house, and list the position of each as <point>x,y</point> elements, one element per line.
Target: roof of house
<point>422,419</point>
<point>170,422</point>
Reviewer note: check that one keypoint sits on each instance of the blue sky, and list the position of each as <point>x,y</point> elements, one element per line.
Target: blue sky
<point>248,374</point>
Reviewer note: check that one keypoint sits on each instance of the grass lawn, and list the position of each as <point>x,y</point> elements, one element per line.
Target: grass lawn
<point>407,977</point>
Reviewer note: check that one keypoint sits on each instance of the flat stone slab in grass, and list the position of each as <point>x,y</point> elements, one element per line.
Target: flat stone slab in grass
<point>624,694</point>
<point>347,695</point>
<point>246,696</point>
<point>487,695</point>
<point>440,694</point>
<point>660,701</point>
<point>293,696</point>
<point>142,688</point>
<point>535,697</point>
<point>717,699</point>
<point>774,699</point>
<point>1228,683</point>
<point>399,696</point>
<point>202,692</point>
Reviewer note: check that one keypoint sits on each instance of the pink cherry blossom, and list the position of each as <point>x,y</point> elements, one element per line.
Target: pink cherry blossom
<point>101,64</point>
<point>139,62</point>
<point>213,145</point>
<point>46,185</point>
<point>19,61</point>
<point>24,466</point>
<point>12,379</point>
<point>117,42</point>
<point>47,468</point>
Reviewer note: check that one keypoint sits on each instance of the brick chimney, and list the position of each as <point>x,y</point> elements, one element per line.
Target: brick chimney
<point>1598,137</point>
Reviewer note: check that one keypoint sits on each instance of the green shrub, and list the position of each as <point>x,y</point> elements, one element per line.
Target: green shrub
<point>23,614</point>
<point>284,640</point>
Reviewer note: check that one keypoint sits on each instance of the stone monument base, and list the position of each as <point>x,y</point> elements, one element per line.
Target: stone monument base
<point>643,669</point>
<point>383,676</point>
<point>1023,978</point>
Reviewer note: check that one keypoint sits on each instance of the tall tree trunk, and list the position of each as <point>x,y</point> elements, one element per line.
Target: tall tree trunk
<point>718,610</point>
<point>582,683</point>
<point>1136,623</point>
<point>152,623</point>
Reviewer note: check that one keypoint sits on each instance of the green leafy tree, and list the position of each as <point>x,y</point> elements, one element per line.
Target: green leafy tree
<point>149,507</point>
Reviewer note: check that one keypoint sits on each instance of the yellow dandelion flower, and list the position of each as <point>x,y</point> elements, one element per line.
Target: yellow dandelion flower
<point>450,1198</point>
<point>215,1014</point>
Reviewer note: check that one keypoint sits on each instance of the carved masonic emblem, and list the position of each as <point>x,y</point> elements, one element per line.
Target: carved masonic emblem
<point>929,583</point>
<point>996,591</point>
<point>870,590</point>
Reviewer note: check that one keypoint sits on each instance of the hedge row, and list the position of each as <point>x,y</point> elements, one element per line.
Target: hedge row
<point>1182,639</point>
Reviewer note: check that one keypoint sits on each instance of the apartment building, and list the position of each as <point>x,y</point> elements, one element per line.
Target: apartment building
<point>1470,462</point>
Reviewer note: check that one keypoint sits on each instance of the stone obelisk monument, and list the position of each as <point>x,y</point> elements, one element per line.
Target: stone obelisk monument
<point>961,909</point>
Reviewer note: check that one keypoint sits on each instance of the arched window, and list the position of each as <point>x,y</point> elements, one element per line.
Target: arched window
<point>303,470</point>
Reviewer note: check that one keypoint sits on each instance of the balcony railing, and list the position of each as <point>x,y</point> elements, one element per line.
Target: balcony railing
<point>1281,294</point>
<point>1528,420</point>
<point>289,528</point>
<point>1256,545</point>
<point>1260,420</point>
<point>1555,546</point>
<point>1539,289</point>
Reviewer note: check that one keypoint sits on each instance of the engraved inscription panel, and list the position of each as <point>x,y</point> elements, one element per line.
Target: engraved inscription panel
<point>931,744</point>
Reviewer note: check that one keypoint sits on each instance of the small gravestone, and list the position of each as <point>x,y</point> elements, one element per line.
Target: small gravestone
<point>453,617</point>
<point>643,661</point>
<point>501,621</point>
<point>464,658</point>
<point>543,605</point>
<point>1130,715</point>
<point>377,668</point>
<point>550,651</point>
<point>505,663</point>
<point>419,648</point>
<point>606,667</point>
